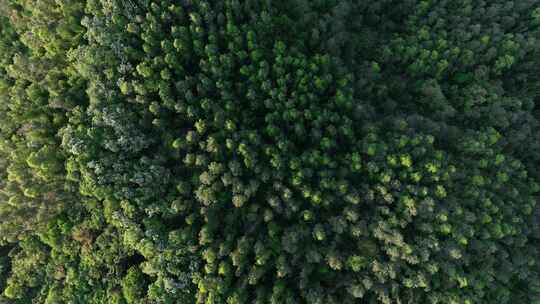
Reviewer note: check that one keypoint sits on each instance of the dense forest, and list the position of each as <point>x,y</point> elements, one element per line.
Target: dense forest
<point>270,151</point>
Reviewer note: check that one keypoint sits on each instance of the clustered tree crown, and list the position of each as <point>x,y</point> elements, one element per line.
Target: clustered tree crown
<point>233,152</point>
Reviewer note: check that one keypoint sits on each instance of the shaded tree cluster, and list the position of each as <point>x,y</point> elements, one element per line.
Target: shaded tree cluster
<point>269,151</point>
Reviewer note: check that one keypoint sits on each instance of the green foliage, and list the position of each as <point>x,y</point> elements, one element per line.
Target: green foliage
<point>133,285</point>
<point>38,90</point>
<point>269,151</point>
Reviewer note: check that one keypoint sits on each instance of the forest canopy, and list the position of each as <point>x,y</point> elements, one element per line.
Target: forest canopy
<point>280,152</point>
